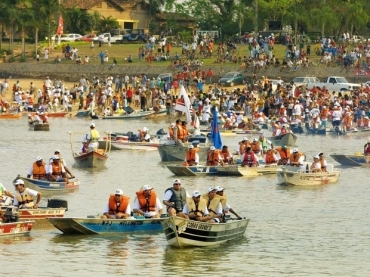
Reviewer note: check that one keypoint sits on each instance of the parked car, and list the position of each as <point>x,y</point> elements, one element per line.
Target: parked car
<point>70,37</point>
<point>132,36</point>
<point>303,81</point>
<point>87,38</point>
<point>357,39</point>
<point>165,77</point>
<point>104,38</point>
<point>232,79</point>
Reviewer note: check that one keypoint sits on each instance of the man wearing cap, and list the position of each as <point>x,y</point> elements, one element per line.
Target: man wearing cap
<point>256,146</point>
<point>118,206</point>
<point>56,171</point>
<point>175,199</point>
<point>178,133</point>
<point>214,157</point>
<point>57,152</point>
<point>227,158</point>
<point>214,205</point>
<point>270,157</point>
<point>296,158</point>
<point>323,162</point>
<point>191,156</point>
<point>249,158</point>
<point>171,131</point>
<point>336,116</point>
<point>92,138</point>
<point>196,208</point>
<point>36,118</point>
<point>316,166</point>
<point>147,203</point>
<point>225,205</point>
<point>38,170</point>
<point>24,197</point>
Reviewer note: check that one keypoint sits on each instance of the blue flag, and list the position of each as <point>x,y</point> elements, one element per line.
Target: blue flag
<point>215,132</point>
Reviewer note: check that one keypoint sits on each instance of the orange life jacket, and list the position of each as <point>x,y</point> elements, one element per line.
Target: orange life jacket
<point>212,157</point>
<point>225,156</point>
<point>30,101</point>
<point>295,159</point>
<point>147,204</point>
<point>270,159</point>
<point>190,157</point>
<point>38,171</point>
<point>170,132</point>
<point>56,169</point>
<point>284,154</point>
<point>256,146</point>
<point>113,208</point>
<point>180,132</point>
<point>324,114</point>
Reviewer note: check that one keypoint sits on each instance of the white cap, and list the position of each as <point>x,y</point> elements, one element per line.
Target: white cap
<point>295,150</point>
<point>316,157</point>
<point>57,150</point>
<point>196,193</point>
<point>245,138</point>
<point>177,181</point>
<point>56,157</point>
<point>212,148</point>
<point>173,124</point>
<point>218,188</point>
<point>211,189</point>
<point>19,182</point>
<point>145,129</point>
<point>147,187</point>
<point>255,139</point>
<point>119,191</point>
<point>92,124</point>
<point>191,146</point>
<point>38,159</point>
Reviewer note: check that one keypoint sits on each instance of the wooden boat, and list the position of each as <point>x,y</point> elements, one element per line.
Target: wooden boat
<point>302,176</point>
<point>10,115</point>
<point>288,139</point>
<point>91,159</point>
<point>197,170</point>
<point>238,170</point>
<point>357,159</point>
<point>130,141</point>
<point>183,233</point>
<point>45,185</point>
<point>133,115</point>
<point>52,114</point>
<point>87,226</point>
<point>39,127</point>
<point>16,228</point>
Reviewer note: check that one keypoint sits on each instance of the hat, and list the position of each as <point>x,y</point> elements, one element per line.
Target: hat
<point>191,146</point>
<point>316,157</point>
<point>212,148</point>
<point>284,147</point>
<point>119,191</point>
<point>255,139</point>
<point>147,187</point>
<point>211,189</point>
<point>295,150</point>
<point>245,138</point>
<point>38,159</point>
<point>19,182</point>
<point>145,129</point>
<point>173,124</point>
<point>92,125</point>
<point>196,193</point>
<point>56,157</point>
<point>177,181</point>
<point>57,150</point>
<point>218,188</point>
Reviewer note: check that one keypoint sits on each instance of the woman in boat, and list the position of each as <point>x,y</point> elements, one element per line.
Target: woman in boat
<point>249,158</point>
<point>118,206</point>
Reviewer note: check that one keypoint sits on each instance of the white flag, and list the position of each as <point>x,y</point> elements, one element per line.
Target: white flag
<point>183,103</point>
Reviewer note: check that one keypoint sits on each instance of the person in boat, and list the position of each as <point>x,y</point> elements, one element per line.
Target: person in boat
<point>191,156</point>
<point>214,205</point>
<point>296,158</point>
<point>367,148</point>
<point>323,162</point>
<point>178,133</point>
<point>249,158</point>
<point>270,157</point>
<point>118,206</point>
<point>92,138</point>
<point>30,119</point>
<point>24,197</point>
<point>175,199</point>
<point>107,112</point>
<point>38,170</point>
<point>256,146</point>
<point>185,130</point>
<point>243,145</point>
<point>43,117</point>
<point>225,205</point>
<point>171,131</point>
<point>36,118</point>
<point>144,135</point>
<point>283,154</point>
<point>264,143</point>
<point>196,208</point>
<point>56,171</point>
<point>227,158</point>
<point>147,203</point>
<point>57,152</point>
<point>4,191</point>
<point>316,165</point>
<point>214,157</point>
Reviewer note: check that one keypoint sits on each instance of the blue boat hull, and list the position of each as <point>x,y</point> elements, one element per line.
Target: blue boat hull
<point>50,186</point>
<point>352,160</point>
<point>180,170</point>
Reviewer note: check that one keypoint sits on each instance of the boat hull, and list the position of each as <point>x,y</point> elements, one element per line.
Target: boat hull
<point>301,178</point>
<point>287,139</point>
<point>173,153</point>
<point>16,228</point>
<point>50,186</point>
<point>88,226</point>
<point>138,115</point>
<point>39,127</point>
<point>352,160</point>
<point>57,114</point>
<point>90,159</point>
<point>40,213</point>
<point>237,170</point>
<point>183,233</point>
<point>180,170</point>
<point>10,116</point>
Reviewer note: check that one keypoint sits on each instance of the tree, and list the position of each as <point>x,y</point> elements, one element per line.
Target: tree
<point>108,23</point>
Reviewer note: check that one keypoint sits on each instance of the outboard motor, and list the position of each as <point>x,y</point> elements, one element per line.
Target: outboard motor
<point>11,214</point>
<point>160,133</point>
<point>57,203</point>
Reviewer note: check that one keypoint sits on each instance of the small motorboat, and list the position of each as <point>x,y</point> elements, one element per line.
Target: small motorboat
<point>39,127</point>
<point>357,159</point>
<point>45,185</point>
<point>288,139</point>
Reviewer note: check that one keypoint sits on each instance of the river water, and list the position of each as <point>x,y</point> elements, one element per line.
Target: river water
<point>319,231</point>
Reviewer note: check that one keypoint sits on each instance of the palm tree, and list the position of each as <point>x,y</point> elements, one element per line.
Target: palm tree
<point>108,23</point>
<point>49,10</point>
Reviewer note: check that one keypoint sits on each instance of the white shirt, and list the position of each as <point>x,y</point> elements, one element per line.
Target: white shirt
<point>336,115</point>
<point>31,192</point>
<point>158,206</point>
<point>50,169</point>
<point>30,171</point>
